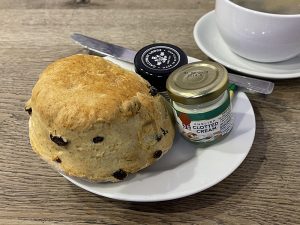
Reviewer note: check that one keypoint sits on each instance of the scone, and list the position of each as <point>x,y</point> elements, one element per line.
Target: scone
<point>95,120</point>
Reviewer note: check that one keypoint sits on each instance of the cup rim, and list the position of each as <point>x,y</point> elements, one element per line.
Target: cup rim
<point>262,13</point>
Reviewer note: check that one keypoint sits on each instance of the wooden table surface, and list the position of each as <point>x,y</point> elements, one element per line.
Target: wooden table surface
<point>263,190</point>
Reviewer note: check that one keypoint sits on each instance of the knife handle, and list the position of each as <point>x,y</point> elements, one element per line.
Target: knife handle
<point>250,84</point>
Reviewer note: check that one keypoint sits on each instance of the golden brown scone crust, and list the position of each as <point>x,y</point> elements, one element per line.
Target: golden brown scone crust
<point>83,97</point>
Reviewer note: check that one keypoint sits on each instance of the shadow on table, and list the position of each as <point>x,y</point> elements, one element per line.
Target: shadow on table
<point>227,188</point>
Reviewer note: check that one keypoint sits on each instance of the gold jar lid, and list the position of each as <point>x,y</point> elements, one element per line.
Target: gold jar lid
<point>197,83</point>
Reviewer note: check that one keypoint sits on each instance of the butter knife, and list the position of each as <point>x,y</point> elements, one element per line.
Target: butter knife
<point>247,84</point>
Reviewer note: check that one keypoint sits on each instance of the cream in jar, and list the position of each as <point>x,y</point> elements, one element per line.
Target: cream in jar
<point>201,102</point>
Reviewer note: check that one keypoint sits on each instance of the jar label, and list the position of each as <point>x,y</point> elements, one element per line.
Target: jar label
<point>208,126</point>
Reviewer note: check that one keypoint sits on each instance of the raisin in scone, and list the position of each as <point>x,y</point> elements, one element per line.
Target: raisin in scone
<point>95,120</point>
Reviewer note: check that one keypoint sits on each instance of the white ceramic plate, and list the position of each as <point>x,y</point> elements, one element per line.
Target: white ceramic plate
<point>209,40</point>
<point>185,169</point>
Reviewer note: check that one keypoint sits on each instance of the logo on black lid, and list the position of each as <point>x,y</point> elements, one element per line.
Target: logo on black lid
<point>160,58</point>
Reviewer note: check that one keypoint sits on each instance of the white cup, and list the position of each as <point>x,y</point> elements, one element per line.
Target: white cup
<point>258,36</point>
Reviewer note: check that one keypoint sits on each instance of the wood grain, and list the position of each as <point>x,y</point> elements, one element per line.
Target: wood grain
<point>263,190</point>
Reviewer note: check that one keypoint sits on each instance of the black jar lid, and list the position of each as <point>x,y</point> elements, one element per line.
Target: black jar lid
<point>157,61</point>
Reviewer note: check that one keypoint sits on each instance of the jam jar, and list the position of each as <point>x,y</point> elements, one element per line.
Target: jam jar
<point>155,62</point>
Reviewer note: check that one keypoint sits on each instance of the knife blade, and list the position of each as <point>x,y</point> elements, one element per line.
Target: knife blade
<point>248,84</point>
<point>104,48</point>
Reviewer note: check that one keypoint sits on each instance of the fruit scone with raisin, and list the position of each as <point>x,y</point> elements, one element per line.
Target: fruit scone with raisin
<point>92,119</point>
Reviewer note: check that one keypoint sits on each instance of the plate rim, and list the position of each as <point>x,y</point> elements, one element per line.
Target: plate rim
<point>157,198</point>
<point>228,64</point>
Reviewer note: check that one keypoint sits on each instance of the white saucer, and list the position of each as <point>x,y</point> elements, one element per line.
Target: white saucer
<point>209,40</point>
<point>185,169</point>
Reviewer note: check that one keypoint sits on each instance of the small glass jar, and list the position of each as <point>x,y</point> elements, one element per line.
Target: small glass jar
<point>155,62</point>
<point>201,102</point>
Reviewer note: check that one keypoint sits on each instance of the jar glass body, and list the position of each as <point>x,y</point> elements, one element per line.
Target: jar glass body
<point>205,123</point>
